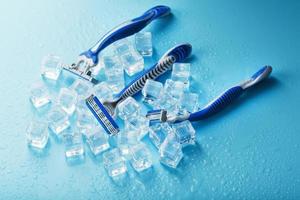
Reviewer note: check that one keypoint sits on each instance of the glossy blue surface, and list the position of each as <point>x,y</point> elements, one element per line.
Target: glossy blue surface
<point>250,151</point>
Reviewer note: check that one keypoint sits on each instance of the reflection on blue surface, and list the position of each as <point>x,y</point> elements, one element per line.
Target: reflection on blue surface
<point>249,151</point>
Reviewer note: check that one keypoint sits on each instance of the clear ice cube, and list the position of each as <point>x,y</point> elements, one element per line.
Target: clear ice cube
<point>158,133</point>
<point>85,120</point>
<point>81,87</point>
<point>51,67</point>
<point>67,99</point>
<point>73,145</point>
<point>112,65</point>
<point>114,162</point>
<point>185,133</point>
<point>58,120</point>
<point>103,91</point>
<point>175,88</point>
<point>114,73</point>
<point>168,103</point>
<point>140,157</point>
<point>152,91</point>
<point>188,103</point>
<point>139,124</point>
<point>39,95</point>
<point>98,141</point>
<point>81,104</point>
<point>143,43</point>
<point>116,82</point>
<point>181,72</point>
<point>129,108</point>
<point>125,140</point>
<point>132,62</point>
<point>123,46</point>
<point>170,151</point>
<point>37,134</point>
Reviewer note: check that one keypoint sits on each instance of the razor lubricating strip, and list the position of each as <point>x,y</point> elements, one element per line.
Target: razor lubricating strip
<point>103,117</point>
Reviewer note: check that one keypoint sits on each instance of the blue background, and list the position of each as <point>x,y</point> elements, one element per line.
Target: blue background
<point>250,151</point>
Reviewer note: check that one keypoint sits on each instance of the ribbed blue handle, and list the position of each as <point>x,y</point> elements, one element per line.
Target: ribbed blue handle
<point>176,54</point>
<point>218,104</point>
<point>126,29</point>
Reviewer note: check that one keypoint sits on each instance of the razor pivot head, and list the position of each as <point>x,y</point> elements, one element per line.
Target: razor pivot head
<point>81,74</point>
<point>102,116</point>
<point>157,115</point>
<point>161,115</point>
<point>82,69</point>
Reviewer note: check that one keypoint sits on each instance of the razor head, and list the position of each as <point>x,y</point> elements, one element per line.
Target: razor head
<point>81,74</point>
<point>102,116</point>
<point>155,116</point>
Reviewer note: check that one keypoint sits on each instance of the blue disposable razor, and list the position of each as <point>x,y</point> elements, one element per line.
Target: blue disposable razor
<point>105,111</point>
<point>88,59</point>
<point>216,105</point>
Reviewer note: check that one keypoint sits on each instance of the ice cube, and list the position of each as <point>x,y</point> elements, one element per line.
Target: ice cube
<point>51,67</point>
<point>125,140</point>
<point>85,120</point>
<point>103,92</point>
<point>73,145</point>
<point>158,133</point>
<point>114,73</point>
<point>185,133</point>
<point>81,104</point>
<point>112,65</point>
<point>152,91</point>
<point>143,43</point>
<point>188,103</point>
<point>140,157</point>
<point>168,103</point>
<point>122,46</point>
<point>139,124</point>
<point>114,162</point>
<point>181,72</point>
<point>129,108</point>
<point>116,82</point>
<point>37,134</point>
<point>98,141</point>
<point>81,87</point>
<point>39,95</point>
<point>58,120</point>
<point>67,99</point>
<point>175,88</point>
<point>170,151</point>
<point>132,62</point>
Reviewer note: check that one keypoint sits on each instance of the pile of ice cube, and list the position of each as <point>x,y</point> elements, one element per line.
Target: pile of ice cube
<point>68,118</point>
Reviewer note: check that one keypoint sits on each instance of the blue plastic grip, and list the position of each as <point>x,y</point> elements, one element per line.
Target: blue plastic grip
<point>125,29</point>
<point>180,52</point>
<point>218,104</point>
